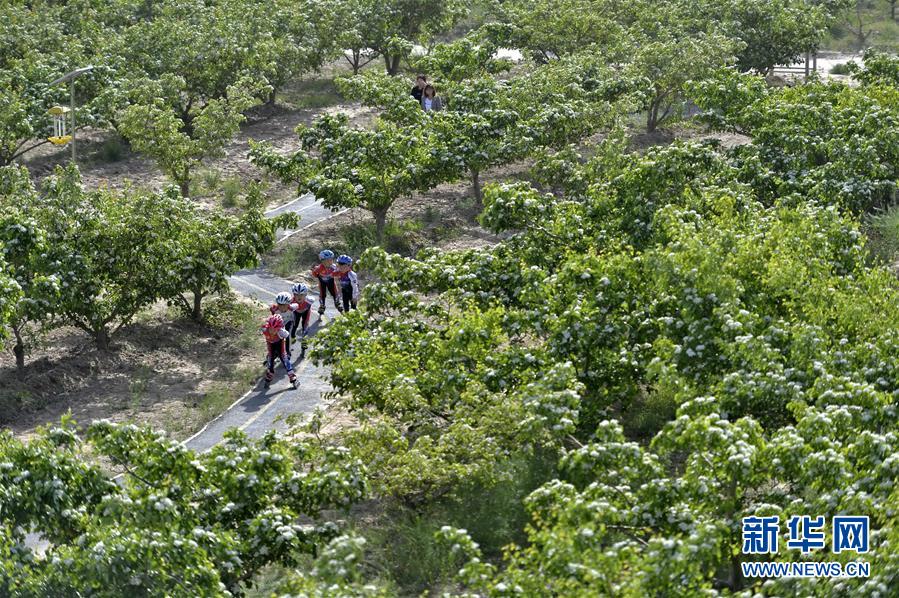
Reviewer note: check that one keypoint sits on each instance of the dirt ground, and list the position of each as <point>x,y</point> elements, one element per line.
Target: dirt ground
<point>174,374</point>
<point>164,371</point>
<point>274,124</point>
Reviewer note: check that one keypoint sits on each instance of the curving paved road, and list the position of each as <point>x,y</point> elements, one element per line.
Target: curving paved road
<point>261,410</point>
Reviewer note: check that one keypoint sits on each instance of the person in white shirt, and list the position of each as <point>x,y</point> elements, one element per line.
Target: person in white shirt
<point>429,100</point>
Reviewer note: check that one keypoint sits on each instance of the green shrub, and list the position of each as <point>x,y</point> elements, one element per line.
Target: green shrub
<point>227,311</point>
<point>402,237</point>
<point>113,149</point>
<point>431,215</point>
<point>231,190</point>
<point>841,68</point>
<point>645,417</point>
<point>401,540</point>
<point>883,234</point>
<point>211,178</point>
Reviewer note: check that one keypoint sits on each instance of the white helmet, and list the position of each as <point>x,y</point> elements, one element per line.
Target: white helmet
<point>283,298</point>
<point>300,289</point>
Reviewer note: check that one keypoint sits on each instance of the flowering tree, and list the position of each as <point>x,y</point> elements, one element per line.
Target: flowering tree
<point>177,522</point>
<point>31,260</point>
<point>829,141</point>
<point>180,145</point>
<point>354,167</point>
<point>215,245</point>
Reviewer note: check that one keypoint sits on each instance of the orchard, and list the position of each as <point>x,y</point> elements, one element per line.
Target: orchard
<point>682,313</point>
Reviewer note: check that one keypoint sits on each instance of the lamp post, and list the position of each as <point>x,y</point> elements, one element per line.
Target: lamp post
<point>71,77</point>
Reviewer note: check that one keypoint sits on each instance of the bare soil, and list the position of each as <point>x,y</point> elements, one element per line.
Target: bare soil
<point>164,371</point>
<point>274,124</point>
<point>174,374</point>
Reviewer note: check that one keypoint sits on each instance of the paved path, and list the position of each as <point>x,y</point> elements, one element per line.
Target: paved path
<point>257,411</point>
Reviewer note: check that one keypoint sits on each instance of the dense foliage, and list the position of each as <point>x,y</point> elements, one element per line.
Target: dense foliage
<point>692,333</point>
<point>734,321</point>
<point>176,523</point>
<point>94,259</point>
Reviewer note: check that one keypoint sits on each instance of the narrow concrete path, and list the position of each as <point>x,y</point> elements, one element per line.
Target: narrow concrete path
<point>263,409</point>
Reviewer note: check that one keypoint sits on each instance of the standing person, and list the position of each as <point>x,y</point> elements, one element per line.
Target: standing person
<point>276,339</point>
<point>418,89</point>
<point>284,308</point>
<point>349,282</point>
<point>324,273</point>
<point>429,100</point>
<point>301,315</point>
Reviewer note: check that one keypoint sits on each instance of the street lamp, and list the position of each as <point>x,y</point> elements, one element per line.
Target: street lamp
<point>71,77</point>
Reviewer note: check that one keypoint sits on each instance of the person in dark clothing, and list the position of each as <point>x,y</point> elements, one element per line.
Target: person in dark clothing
<point>420,83</point>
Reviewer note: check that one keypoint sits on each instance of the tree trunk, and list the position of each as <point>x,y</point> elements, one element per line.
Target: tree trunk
<point>271,97</point>
<point>893,9</point>
<point>476,185</point>
<point>652,117</point>
<point>184,185</point>
<point>392,63</point>
<point>357,58</point>
<point>197,312</point>
<point>380,225</point>
<point>19,351</point>
<point>101,339</point>
<point>861,35</point>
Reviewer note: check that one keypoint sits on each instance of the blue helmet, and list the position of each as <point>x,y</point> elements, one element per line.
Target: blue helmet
<point>300,289</point>
<point>326,254</point>
<point>344,259</point>
<point>283,298</point>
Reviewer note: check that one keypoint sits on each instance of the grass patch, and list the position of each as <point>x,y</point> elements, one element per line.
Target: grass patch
<point>231,190</point>
<point>312,94</point>
<point>883,234</point>
<point>224,392</point>
<point>646,416</point>
<point>113,149</point>
<point>292,258</point>
<point>138,385</point>
<point>401,544</point>
<point>238,321</point>
<point>882,32</point>
<point>400,236</point>
<point>209,182</point>
<point>403,237</point>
